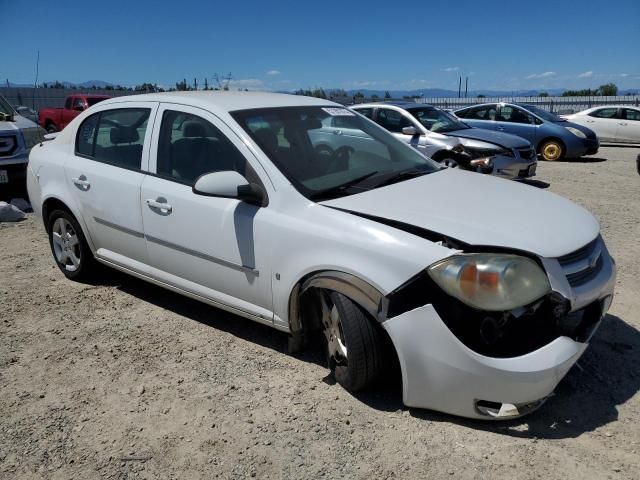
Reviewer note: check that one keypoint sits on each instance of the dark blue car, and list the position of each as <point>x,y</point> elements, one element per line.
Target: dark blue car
<point>552,137</point>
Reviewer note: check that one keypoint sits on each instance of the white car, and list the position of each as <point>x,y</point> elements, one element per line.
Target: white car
<point>611,123</point>
<point>486,291</point>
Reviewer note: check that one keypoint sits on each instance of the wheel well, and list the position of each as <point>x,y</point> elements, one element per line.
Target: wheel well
<point>555,139</point>
<point>49,205</point>
<point>442,154</point>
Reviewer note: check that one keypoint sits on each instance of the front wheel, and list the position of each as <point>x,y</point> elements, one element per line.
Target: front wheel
<point>354,344</point>
<point>551,150</point>
<point>69,246</point>
<point>51,128</point>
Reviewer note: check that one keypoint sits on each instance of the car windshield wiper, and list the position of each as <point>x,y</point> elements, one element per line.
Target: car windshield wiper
<point>338,189</point>
<point>403,175</point>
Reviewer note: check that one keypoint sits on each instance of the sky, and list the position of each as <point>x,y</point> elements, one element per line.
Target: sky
<point>271,45</point>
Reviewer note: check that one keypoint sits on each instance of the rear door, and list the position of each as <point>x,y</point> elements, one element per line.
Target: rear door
<point>628,130</point>
<point>214,247</point>
<point>517,121</point>
<point>105,173</point>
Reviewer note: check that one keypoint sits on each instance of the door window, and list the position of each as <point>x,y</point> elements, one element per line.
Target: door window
<point>67,103</point>
<point>514,115</point>
<point>78,104</point>
<point>483,112</point>
<point>114,136</point>
<point>190,146</point>
<point>367,112</point>
<point>631,114</point>
<point>392,120</point>
<point>605,113</point>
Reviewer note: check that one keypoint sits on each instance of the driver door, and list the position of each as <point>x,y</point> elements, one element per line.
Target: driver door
<point>514,120</point>
<point>212,247</point>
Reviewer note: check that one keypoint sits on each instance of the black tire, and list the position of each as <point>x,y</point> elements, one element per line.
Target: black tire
<point>51,128</point>
<point>551,150</point>
<point>87,264</point>
<point>364,344</point>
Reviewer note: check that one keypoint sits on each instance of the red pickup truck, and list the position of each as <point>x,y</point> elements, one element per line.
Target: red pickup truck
<point>55,119</point>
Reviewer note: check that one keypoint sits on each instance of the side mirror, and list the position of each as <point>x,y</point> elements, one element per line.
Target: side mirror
<point>230,184</point>
<point>411,130</point>
<point>78,108</point>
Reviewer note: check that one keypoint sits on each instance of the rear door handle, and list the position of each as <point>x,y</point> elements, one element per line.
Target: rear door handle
<point>81,182</point>
<point>159,204</point>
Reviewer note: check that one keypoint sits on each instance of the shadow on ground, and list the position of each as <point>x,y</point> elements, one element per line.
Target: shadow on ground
<point>583,160</point>
<point>607,375</point>
<point>536,183</point>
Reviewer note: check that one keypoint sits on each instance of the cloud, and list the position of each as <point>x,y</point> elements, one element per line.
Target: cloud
<point>273,72</point>
<point>624,75</point>
<point>451,69</point>
<point>588,74</point>
<point>541,75</point>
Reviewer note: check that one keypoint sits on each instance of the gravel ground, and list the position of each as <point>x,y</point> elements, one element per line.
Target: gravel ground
<point>125,380</point>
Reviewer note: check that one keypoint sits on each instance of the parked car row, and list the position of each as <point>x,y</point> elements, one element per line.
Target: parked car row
<point>306,216</point>
<point>612,123</point>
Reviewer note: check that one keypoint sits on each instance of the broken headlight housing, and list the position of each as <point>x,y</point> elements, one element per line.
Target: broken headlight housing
<point>491,282</point>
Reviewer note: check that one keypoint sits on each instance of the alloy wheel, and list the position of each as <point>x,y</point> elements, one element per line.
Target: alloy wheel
<point>66,244</point>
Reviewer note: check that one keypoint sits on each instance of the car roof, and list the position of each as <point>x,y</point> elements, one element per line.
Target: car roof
<point>399,104</point>
<point>228,101</point>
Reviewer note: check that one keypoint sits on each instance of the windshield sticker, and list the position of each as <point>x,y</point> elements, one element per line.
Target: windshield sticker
<point>339,112</point>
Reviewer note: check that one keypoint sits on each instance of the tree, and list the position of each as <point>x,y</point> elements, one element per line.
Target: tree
<point>206,84</point>
<point>608,90</point>
<point>543,94</point>
<point>182,86</point>
<point>481,96</point>
<point>375,97</point>
<point>387,95</point>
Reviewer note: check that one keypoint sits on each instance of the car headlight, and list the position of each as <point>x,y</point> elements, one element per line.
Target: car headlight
<point>33,136</point>
<point>576,132</point>
<point>492,282</point>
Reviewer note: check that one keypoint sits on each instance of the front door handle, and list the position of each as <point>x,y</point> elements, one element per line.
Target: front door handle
<point>159,204</point>
<point>81,182</point>
<point>623,123</point>
<point>501,128</point>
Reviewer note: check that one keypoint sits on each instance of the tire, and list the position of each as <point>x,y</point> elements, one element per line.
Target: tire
<point>360,337</point>
<point>51,128</point>
<point>449,162</point>
<point>69,246</point>
<point>551,150</point>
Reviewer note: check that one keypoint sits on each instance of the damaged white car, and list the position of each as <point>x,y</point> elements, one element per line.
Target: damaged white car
<point>486,291</point>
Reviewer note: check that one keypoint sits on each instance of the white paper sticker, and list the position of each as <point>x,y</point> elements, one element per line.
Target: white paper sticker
<point>339,112</point>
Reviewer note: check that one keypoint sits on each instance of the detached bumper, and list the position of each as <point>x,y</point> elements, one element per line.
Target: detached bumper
<point>513,168</point>
<point>440,373</point>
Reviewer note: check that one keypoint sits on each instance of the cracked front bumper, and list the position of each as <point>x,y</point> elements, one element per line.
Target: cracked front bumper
<point>440,373</point>
<point>513,168</point>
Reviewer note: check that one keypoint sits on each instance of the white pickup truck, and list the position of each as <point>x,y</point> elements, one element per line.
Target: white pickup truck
<point>17,136</point>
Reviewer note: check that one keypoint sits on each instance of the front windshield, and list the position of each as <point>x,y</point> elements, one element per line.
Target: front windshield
<point>543,114</point>
<point>328,152</point>
<point>437,120</point>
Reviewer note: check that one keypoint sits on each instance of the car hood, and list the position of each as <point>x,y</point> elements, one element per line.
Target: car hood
<point>480,210</point>
<point>505,140</point>
<point>18,124</point>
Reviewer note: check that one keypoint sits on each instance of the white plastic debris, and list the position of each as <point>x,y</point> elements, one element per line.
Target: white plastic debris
<point>10,213</point>
<point>21,204</point>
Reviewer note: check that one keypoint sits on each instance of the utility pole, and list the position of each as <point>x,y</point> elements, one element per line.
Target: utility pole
<point>459,85</point>
<point>466,86</point>
<point>35,84</point>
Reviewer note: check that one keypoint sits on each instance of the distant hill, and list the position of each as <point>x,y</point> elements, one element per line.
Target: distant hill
<point>87,84</point>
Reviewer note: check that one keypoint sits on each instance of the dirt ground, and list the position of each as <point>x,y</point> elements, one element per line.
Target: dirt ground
<point>125,380</point>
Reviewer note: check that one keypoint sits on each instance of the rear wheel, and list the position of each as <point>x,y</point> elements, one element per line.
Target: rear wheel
<point>69,246</point>
<point>551,150</point>
<point>354,344</point>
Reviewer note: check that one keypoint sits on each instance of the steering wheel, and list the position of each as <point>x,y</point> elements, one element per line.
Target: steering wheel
<point>334,159</point>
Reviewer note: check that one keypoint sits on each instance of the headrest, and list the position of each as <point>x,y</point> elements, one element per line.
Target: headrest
<point>193,129</point>
<point>123,135</point>
<point>312,123</point>
<point>267,138</point>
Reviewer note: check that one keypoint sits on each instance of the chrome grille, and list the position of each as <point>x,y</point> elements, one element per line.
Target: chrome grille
<point>8,145</point>
<point>583,264</point>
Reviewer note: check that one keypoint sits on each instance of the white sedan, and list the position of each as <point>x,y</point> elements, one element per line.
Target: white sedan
<point>611,123</point>
<point>484,292</point>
